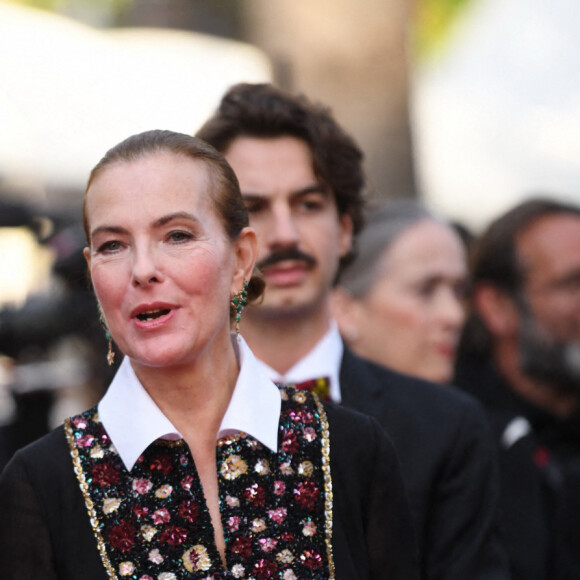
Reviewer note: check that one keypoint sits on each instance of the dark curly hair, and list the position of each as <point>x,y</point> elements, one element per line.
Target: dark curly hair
<point>263,110</point>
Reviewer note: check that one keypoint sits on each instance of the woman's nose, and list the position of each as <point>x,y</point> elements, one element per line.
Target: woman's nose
<point>145,270</point>
<point>451,309</point>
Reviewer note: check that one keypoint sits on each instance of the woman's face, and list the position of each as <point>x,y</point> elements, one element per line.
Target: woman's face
<point>162,266</point>
<point>411,318</point>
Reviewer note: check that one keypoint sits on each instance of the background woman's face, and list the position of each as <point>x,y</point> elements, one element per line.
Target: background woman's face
<point>162,266</point>
<point>412,317</point>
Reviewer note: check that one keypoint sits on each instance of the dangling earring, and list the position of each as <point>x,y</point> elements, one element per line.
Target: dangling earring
<point>110,351</point>
<point>239,300</point>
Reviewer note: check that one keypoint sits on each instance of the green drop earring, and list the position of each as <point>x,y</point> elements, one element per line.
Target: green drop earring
<point>110,351</point>
<point>238,302</point>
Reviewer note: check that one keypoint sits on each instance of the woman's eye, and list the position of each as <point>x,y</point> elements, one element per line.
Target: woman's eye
<point>461,289</point>
<point>427,289</point>
<point>180,236</point>
<point>109,247</point>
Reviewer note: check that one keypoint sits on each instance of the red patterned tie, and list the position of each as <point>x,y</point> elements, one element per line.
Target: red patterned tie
<point>320,387</point>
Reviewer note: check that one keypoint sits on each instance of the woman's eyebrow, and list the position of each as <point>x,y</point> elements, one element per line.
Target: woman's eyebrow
<point>163,220</point>
<point>173,216</point>
<point>108,229</point>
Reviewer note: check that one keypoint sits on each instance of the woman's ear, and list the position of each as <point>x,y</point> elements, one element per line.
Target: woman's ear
<point>246,249</point>
<point>497,310</point>
<point>87,255</point>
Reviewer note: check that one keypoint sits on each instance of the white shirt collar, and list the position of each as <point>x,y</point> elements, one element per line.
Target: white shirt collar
<point>322,361</point>
<point>133,420</point>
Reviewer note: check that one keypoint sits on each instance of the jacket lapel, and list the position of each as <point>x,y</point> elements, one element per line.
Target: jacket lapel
<point>358,384</point>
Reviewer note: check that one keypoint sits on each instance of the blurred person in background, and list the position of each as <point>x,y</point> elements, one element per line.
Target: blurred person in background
<point>194,464</point>
<point>400,302</point>
<point>302,180</point>
<point>520,355</point>
<point>53,340</point>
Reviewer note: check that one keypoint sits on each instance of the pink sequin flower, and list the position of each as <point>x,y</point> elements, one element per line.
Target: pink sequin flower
<point>141,485</point>
<point>85,441</point>
<point>267,544</point>
<point>279,487</point>
<point>161,516</point>
<point>278,515</point>
<point>234,523</point>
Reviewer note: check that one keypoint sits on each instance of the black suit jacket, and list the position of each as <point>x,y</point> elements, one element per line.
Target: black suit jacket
<point>448,462</point>
<point>539,473</point>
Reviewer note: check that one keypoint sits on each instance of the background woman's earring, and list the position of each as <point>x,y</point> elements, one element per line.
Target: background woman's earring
<point>110,351</point>
<point>240,300</point>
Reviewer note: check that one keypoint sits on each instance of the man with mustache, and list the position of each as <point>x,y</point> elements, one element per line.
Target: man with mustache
<point>301,176</point>
<point>520,355</point>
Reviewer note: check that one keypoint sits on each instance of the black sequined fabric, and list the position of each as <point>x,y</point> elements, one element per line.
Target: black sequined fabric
<point>152,523</point>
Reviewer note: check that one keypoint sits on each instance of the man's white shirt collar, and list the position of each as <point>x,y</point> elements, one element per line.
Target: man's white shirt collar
<point>133,420</point>
<point>323,360</point>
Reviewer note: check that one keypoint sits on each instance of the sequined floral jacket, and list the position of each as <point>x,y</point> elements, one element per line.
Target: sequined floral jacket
<point>329,504</point>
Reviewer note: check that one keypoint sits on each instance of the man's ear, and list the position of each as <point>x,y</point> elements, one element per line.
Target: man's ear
<point>346,234</point>
<point>497,310</point>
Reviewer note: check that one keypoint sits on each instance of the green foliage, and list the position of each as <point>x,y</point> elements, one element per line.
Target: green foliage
<point>44,4</point>
<point>115,6</point>
<point>432,23</point>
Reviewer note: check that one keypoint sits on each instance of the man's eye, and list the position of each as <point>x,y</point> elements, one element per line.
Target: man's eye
<point>254,206</point>
<point>311,204</point>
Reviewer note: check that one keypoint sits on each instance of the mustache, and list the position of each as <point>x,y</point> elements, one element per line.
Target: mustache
<point>293,254</point>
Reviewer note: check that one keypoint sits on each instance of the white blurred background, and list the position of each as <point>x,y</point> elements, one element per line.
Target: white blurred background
<point>471,105</point>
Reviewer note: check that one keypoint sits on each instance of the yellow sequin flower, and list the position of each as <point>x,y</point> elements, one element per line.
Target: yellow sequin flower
<point>233,466</point>
<point>196,559</point>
